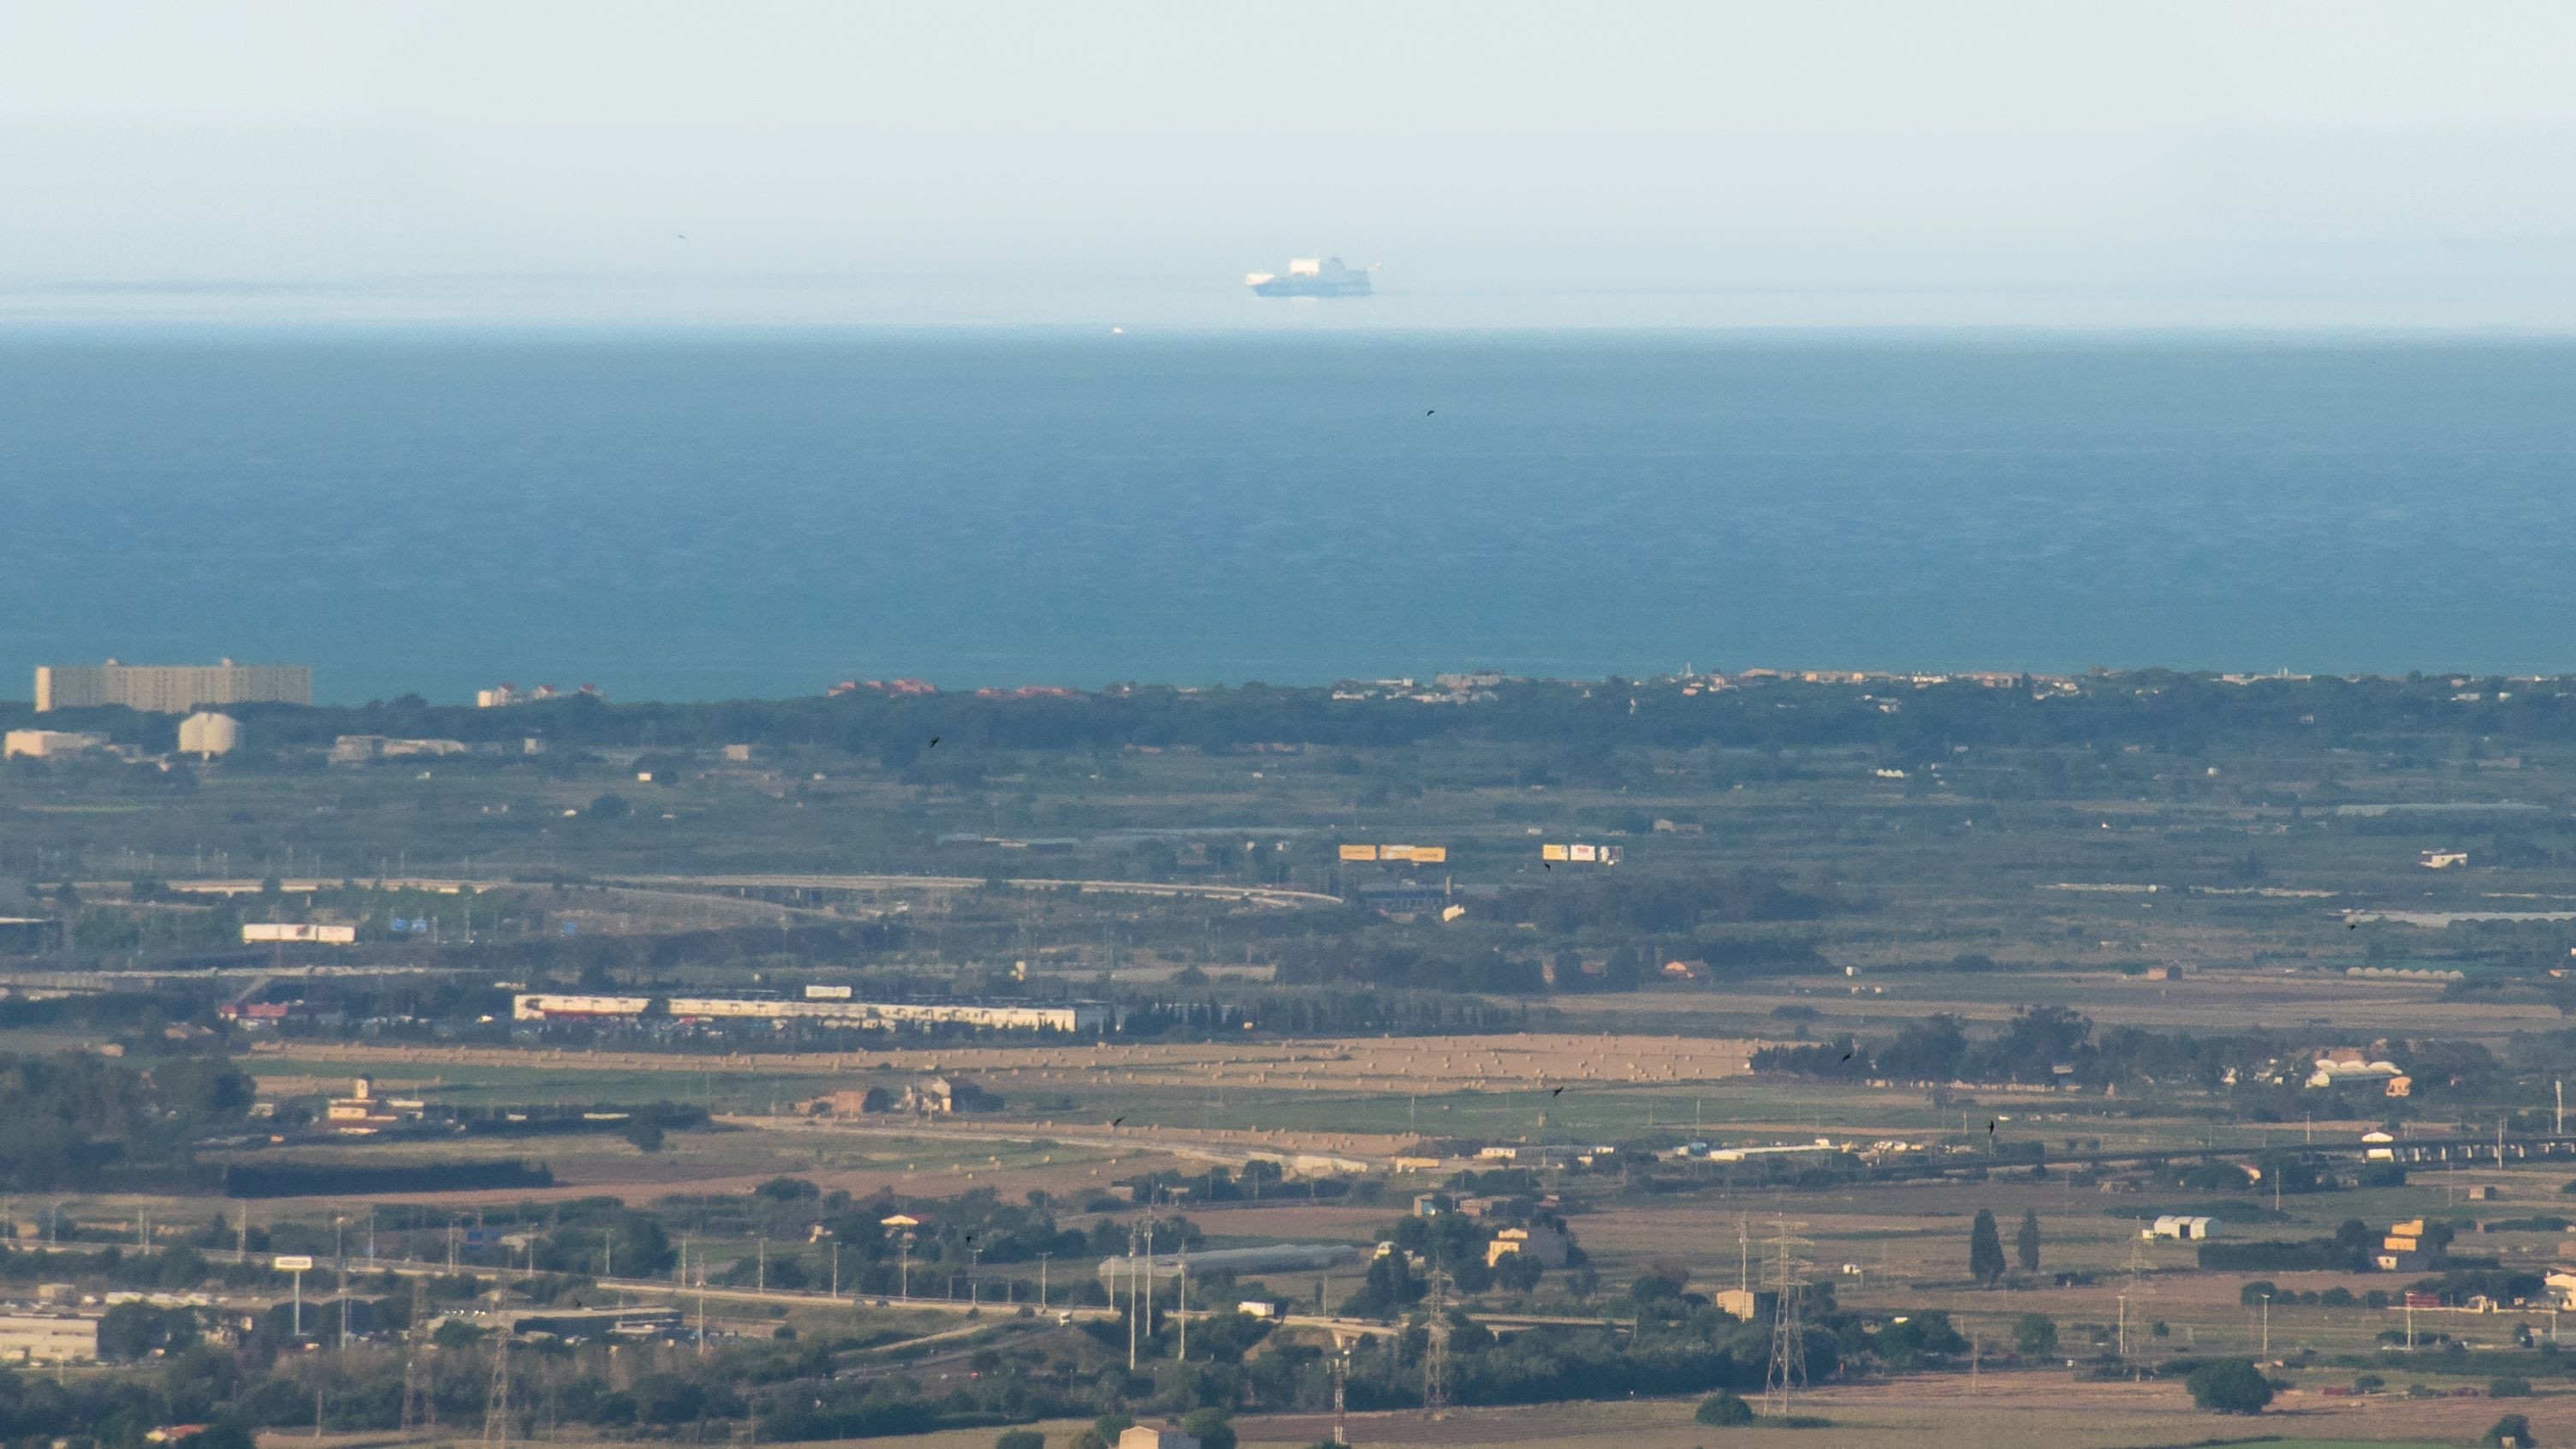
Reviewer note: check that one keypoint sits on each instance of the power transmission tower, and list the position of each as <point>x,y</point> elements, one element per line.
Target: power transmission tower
<point>1788,1371</point>
<point>2139,1267</point>
<point>1435,1353</point>
<point>1341,1374</point>
<point>496,1407</point>
<point>419,1404</point>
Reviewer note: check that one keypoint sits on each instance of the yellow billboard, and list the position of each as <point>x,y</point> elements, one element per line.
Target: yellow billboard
<point>1359,852</point>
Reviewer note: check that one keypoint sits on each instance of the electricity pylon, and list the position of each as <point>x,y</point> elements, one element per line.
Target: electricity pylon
<point>1435,1353</point>
<point>496,1406</point>
<point>419,1402</point>
<point>1788,1370</point>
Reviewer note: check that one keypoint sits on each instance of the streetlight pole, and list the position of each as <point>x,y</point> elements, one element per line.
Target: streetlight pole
<point>974,1265</point>
<point>2267,1325</point>
<point>1042,1286</point>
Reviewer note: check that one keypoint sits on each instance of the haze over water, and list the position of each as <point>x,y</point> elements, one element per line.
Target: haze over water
<point>725,514</point>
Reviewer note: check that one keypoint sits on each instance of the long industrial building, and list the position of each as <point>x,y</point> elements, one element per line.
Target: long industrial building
<point>170,688</point>
<point>866,1015</point>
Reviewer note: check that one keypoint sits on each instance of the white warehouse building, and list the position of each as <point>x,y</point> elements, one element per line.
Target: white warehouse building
<point>864,1015</point>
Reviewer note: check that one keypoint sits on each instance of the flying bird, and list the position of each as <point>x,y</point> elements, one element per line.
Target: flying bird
<point>934,742</point>
<point>1114,1121</point>
<point>1426,412</point>
<point>1559,1092</point>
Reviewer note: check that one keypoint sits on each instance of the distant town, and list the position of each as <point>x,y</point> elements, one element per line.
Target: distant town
<point>1285,1065</point>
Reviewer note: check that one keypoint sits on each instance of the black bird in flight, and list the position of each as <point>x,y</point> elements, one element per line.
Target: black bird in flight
<point>1559,1092</point>
<point>1114,1121</point>
<point>934,742</point>
<point>1847,1056</point>
<point>1990,1126</point>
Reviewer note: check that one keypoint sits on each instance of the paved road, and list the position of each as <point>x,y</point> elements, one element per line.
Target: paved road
<point>1274,896</point>
<point>1178,1141</point>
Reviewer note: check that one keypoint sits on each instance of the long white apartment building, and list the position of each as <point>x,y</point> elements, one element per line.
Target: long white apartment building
<point>863,1015</point>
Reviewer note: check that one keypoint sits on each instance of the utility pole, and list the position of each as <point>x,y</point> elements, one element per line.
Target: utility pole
<point>1131,1300</point>
<point>1042,1283</point>
<point>1183,1312</point>
<point>2267,1325</point>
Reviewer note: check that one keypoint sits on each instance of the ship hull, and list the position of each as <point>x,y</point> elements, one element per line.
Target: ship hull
<point>1307,287</point>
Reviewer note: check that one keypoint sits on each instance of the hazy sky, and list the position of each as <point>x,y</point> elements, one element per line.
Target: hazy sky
<point>2335,163</point>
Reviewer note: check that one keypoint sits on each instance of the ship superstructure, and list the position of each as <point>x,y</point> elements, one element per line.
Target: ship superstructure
<point>1312,277</point>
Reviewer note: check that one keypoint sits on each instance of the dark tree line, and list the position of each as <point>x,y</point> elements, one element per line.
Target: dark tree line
<point>2162,709</point>
<point>66,1119</point>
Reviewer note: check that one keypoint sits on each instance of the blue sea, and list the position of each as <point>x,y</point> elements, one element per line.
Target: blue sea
<point>728,514</point>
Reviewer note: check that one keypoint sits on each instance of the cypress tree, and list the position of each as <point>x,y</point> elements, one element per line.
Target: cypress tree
<point>1985,1249</point>
<point>2026,1242</point>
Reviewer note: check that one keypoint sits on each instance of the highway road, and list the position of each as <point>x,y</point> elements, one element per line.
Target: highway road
<point>1274,896</point>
